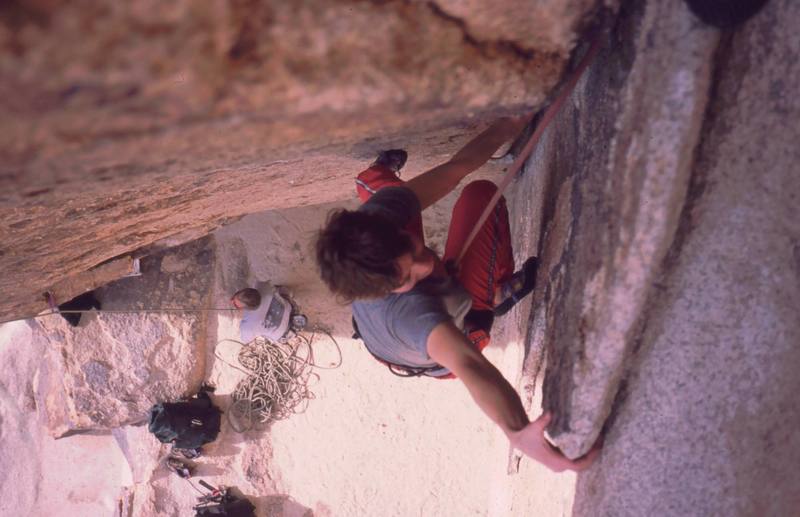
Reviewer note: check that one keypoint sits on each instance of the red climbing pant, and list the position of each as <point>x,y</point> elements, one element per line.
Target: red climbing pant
<point>489,260</point>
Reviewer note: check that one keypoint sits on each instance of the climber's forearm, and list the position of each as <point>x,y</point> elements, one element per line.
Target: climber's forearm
<point>436,183</point>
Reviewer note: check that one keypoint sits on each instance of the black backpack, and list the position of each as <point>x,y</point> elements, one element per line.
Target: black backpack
<point>187,424</point>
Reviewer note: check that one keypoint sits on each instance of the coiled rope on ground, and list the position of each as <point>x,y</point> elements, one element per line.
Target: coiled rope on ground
<point>276,385</point>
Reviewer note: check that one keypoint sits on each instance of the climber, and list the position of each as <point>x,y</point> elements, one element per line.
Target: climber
<point>422,315</point>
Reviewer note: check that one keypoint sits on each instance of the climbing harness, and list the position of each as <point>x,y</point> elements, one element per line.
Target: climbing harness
<point>522,157</point>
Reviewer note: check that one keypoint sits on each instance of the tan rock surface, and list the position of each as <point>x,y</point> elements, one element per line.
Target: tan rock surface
<point>40,475</point>
<point>528,26</point>
<point>124,124</point>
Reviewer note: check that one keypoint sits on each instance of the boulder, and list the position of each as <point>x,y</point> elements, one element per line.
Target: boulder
<point>111,369</point>
<point>37,473</point>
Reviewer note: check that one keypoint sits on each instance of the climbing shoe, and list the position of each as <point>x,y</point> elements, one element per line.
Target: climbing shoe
<point>394,159</point>
<point>519,285</point>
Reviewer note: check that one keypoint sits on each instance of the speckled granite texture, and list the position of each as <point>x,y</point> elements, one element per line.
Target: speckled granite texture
<point>619,157</point>
<point>707,421</point>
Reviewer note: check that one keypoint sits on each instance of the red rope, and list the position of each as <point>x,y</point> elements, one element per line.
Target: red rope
<point>520,160</point>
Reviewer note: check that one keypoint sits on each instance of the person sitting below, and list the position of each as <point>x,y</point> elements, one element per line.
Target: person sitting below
<point>264,313</point>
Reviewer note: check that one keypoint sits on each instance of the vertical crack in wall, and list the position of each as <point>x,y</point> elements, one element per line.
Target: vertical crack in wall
<point>698,181</point>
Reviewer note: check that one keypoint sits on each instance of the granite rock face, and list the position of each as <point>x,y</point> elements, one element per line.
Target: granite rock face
<point>109,371</point>
<point>619,157</point>
<point>707,423</point>
<point>126,124</point>
<point>41,475</point>
<point>670,266</point>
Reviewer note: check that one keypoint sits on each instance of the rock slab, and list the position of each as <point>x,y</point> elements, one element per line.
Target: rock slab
<point>619,158</point>
<point>707,424</point>
<point>129,123</point>
<point>109,371</point>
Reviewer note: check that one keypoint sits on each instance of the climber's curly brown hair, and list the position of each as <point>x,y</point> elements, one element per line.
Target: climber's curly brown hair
<point>357,252</point>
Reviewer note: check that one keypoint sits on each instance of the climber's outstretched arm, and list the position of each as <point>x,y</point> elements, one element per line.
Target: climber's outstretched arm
<point>448,346</point>
<point>436,183</point>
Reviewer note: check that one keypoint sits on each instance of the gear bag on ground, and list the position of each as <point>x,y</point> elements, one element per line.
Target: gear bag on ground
<point>187,424</point>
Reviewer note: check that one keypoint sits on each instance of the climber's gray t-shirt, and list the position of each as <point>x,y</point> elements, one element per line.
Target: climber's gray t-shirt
<point>396,327</point>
